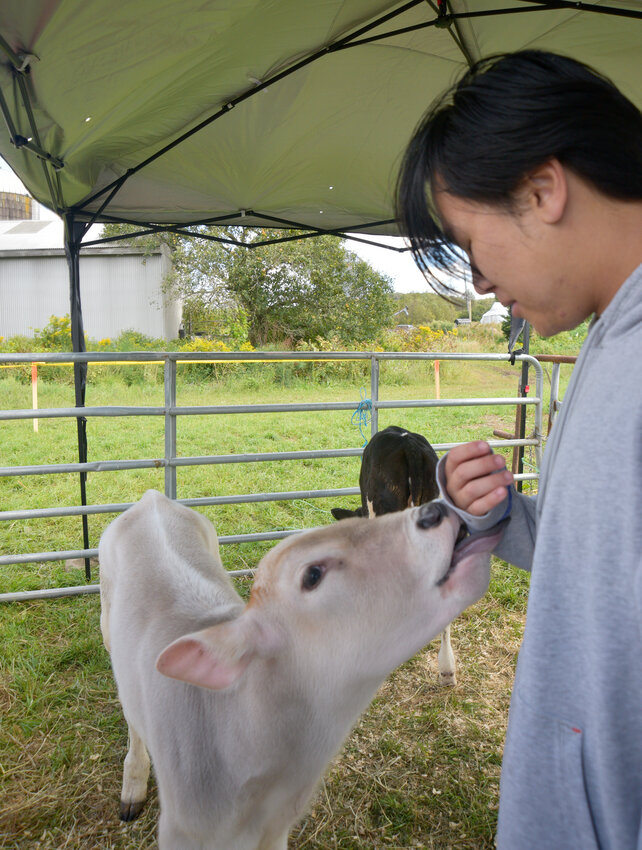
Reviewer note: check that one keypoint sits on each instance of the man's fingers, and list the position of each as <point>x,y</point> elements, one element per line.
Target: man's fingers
<point>466,452</point>
<point>482,506</point>
<point>476,477</point>
<point>488,488</point>
<point>474,470</point>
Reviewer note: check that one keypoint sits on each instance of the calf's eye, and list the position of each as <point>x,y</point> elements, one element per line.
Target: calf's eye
<point>312,576</point>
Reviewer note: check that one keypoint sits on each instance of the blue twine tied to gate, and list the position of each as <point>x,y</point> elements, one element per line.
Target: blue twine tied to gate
<point>363,414</point>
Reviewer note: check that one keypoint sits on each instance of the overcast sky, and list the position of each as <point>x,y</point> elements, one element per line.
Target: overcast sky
<point>398,266</point>
<point>401,267</point>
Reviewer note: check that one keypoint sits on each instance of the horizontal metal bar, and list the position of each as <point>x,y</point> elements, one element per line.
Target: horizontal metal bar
<point>249,498</point>
<point>40,557</point>
<point>285,496</point>
<point>527,441</point>
<point>75,412</point>
<point>206,460</point>
<point>111,465</point>
<point>260,536</point>
<point>349,405</point>
<point>455,402</point>
<point>77,590</point>
<point>313,454</point>
<point>94,466</point>
<point>49,593</point>
<point>224,409</point>
<point>259,457</point>
<point>245,356</point>
<point>69,554</point>
<point>72,510</point>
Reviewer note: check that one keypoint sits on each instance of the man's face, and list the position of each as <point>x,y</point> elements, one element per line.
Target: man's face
<point>519,259</point>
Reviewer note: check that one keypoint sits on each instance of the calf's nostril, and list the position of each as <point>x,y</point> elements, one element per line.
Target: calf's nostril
<point>430,515</point>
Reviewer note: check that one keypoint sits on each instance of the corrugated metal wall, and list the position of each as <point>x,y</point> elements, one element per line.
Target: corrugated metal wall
<point>120,289</point>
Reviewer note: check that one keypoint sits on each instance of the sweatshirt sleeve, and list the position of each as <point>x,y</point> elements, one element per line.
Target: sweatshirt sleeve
<point>518,542</point>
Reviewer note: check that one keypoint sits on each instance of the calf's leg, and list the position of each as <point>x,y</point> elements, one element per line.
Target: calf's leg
<point>135,776</point>
<point>137,764</point>
<point>446,660</point>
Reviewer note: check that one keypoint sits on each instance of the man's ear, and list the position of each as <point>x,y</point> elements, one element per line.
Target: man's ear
<point>546,187</point>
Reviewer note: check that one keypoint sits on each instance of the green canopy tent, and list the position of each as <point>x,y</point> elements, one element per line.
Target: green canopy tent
<point>268,112</point>
<point>274,113</point>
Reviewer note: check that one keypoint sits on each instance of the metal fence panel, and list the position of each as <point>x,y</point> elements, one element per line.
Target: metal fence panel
<point>171,411</point>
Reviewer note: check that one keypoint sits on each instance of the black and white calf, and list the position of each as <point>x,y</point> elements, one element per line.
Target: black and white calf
<point>398,471</point>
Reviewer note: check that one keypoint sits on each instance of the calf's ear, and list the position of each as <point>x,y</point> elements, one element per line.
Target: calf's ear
<point>343,513</point>
<point>217,656</point>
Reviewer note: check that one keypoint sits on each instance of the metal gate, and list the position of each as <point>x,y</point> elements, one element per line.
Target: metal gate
<point>170,411</point>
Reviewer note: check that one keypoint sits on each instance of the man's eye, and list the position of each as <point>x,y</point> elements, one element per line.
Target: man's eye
<point>477,278</point>
<point>312,576</point>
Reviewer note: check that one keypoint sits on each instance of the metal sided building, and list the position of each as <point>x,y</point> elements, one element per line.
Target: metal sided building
<point>121,286</point>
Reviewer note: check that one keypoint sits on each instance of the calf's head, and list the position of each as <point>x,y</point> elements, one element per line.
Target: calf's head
<point>346,602</point>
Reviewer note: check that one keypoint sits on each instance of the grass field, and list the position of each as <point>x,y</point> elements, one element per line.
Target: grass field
<point>420,770</point>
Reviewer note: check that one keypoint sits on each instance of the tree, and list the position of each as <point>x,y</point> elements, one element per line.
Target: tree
<point>296,290</point>
<point>309,288</point>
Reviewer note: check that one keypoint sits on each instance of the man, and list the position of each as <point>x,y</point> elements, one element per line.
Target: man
<point>532,167</point>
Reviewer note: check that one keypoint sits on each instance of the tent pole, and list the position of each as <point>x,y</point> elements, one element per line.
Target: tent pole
<point>74,231</point>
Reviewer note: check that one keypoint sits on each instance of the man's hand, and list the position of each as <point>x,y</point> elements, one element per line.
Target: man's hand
<point>476,478</point>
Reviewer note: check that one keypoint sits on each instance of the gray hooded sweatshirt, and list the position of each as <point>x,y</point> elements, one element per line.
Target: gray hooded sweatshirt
<point>572,768</point>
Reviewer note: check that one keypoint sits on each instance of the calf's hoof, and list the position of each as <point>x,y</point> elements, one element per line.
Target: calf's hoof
<point>447,680</point>
<point>130,810</point>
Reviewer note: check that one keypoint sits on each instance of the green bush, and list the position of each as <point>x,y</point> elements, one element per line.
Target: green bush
<point>16,345</point>
<point>131,340</point>
<point>440,325</point>
<point>55,336</point>
<point>567,342</point>
<point>202,370</point>
<point>438,336</point>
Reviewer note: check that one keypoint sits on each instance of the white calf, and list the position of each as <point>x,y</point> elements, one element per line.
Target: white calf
<point>267,691</point>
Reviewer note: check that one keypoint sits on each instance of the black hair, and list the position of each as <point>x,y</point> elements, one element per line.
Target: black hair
<point>504,117</point>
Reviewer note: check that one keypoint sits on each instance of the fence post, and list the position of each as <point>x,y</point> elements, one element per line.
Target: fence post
<point>437,388</point>
<point>170,428</point>
<point>374,394</point>
<point>553,407</point>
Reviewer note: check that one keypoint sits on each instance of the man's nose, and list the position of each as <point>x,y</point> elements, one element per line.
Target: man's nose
<point>480,284</point>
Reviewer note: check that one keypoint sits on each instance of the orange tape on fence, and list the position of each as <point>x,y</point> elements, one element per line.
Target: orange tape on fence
<point>34,392</point>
